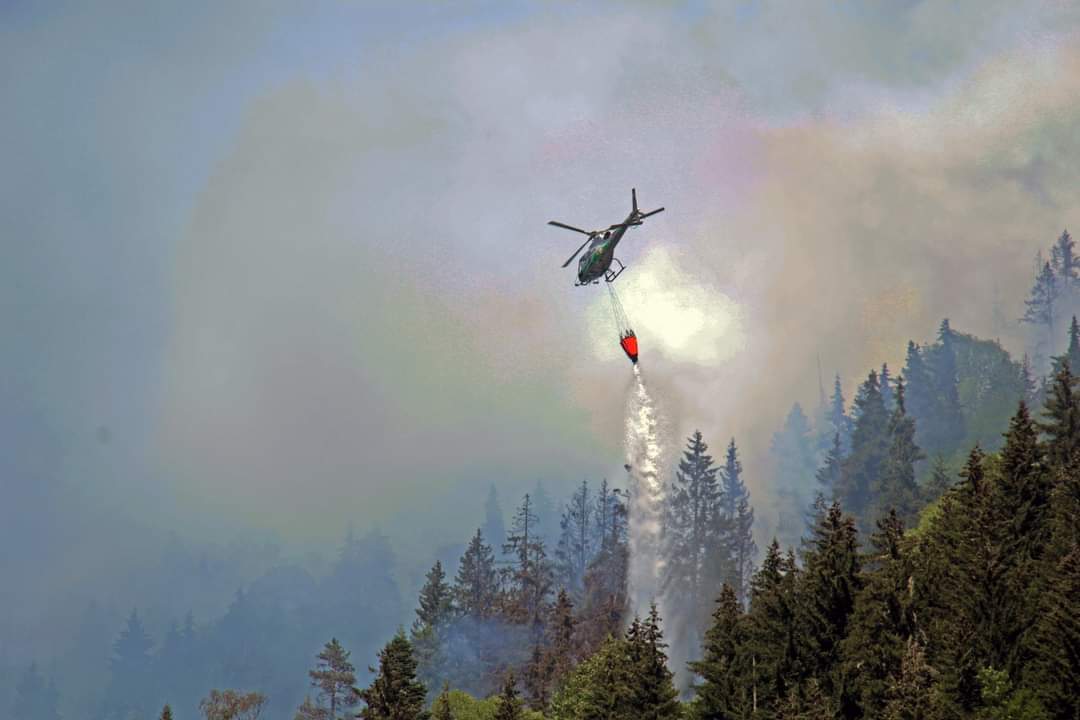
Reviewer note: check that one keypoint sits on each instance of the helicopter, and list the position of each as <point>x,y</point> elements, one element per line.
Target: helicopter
<point>596,262</point>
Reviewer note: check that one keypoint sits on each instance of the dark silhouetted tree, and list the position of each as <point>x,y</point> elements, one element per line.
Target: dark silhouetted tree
<point>395,693</point>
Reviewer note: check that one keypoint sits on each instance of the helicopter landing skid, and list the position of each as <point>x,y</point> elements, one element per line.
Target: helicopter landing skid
<point>610,275</point>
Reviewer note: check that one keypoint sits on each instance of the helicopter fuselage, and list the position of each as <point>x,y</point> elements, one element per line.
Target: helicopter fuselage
<point>596,260</point>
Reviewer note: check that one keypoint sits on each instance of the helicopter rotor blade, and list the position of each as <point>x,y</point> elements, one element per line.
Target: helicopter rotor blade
<point>569,227</point>
<point>650,213</point>
<point>571,258</point>
<point>625,224</point>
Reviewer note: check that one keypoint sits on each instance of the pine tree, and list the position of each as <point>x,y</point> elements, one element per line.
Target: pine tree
<point>919,395</point>
<point>885,383</point>
<point>828,475</point>
<point>432,619</point>
<point>1054,672</point>
<point>737,522</point>
<point>897,489</point>
<point>869,449</point>
<point>395,693</point>
<point>560,637</point>
<point>793,455</point>
<point>34,698</point>
<point>940,480</point>
<point>601,687</point>
<point>772,631</point>
<point>839,422</point>
<point>1041,305</point>
<point>166,713</point>
<point>693,514</point>
<point>575,548</point>
<point>476,585</point>
<point>509,707</point>
<point>131,687</point>
<point>531,577</point>
<point>652,688</point>
<point>1072,353</point>
<point>1062,413</point>
<point>1066,264</point>
<point>883,620</point>
<point>335,678</point>
<point>945,425</point>
<point>724,690</point>
<point>826,595</point>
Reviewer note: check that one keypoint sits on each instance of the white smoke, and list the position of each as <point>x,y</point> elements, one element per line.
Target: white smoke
<point>644,455</point>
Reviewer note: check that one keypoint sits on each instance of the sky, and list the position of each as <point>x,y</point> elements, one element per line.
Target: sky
<point>281,267</point>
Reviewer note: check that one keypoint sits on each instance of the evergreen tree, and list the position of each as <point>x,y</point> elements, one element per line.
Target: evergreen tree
<point>531,576</point>
<point>476,585</point>
<point>560,639</point>
<point>885,383</point>
<point>897,489</point>
<point>793,456</point>
<point>882,623</point>
<point>692,531</point>
<point>1042,303</point>
<point>1066,265</point>
<point>940,480</point>
<point>726,678</point>
<point>601,687</point>
<point>653,692</point>
<point>432,618</point>
<point>1027,380</point>
<point>919,396</point>
<point>945,425</point>
<point>839,422</point>
<point>1062,413</point>
<point>826,596</point>
<point>131,689</point>
<point>605,600</point>
<point>575,548</point>
<point>509,707</point>
<point>1054,672</point>
<point>772,631</point>
<point>232,705</point>
<point>335,678</point>
<point>34,698</point>
<point>166,713</point>
<point>737,522</point>
<point>828,475</point>
<point>869,448</point>
<point>395,693</point>
<point>1072,352</point>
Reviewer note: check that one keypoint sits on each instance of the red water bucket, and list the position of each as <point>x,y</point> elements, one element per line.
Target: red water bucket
<point>629,346</point>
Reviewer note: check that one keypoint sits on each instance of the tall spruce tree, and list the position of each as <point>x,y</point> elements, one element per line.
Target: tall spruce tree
<point>828,475</point>
<point>440,709</point>
<point>1062,418</point>
<point>476,586</point>
<point>919,395</point>
<point>531,576</point>
<point>653,691</point>
<point>725,688</point>
<point>601,687</point>
<point>897,489</point>
<point>575,548</point>
<point>335,678</point>
<point>695,534</point>
<point>839,423</point>
<point>433,617</point>
<point>1054,670</point>
<point>772,630</point>
<point>395,693</point>
<point>34,698</point>
<point>510,705</point>
<point>869,449</point>
<point>882,623</point>
<point>131,690</point>
<point>1041,305</point>
<point>737,523</point>
<point>885,383</point>
<point>826,596</point>
<point>945,425</point>
<point>1066,266</point>
<point>793,458</point>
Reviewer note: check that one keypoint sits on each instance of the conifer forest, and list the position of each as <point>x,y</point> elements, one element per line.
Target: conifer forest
<point>301,419</point>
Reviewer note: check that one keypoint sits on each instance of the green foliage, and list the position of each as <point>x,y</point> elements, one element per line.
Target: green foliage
<point>334,677</point>
<point>725,690</point>
<point>232,705</point>
<point>1000,702</point>
<point>395,693</point>
<point>463,706</point>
